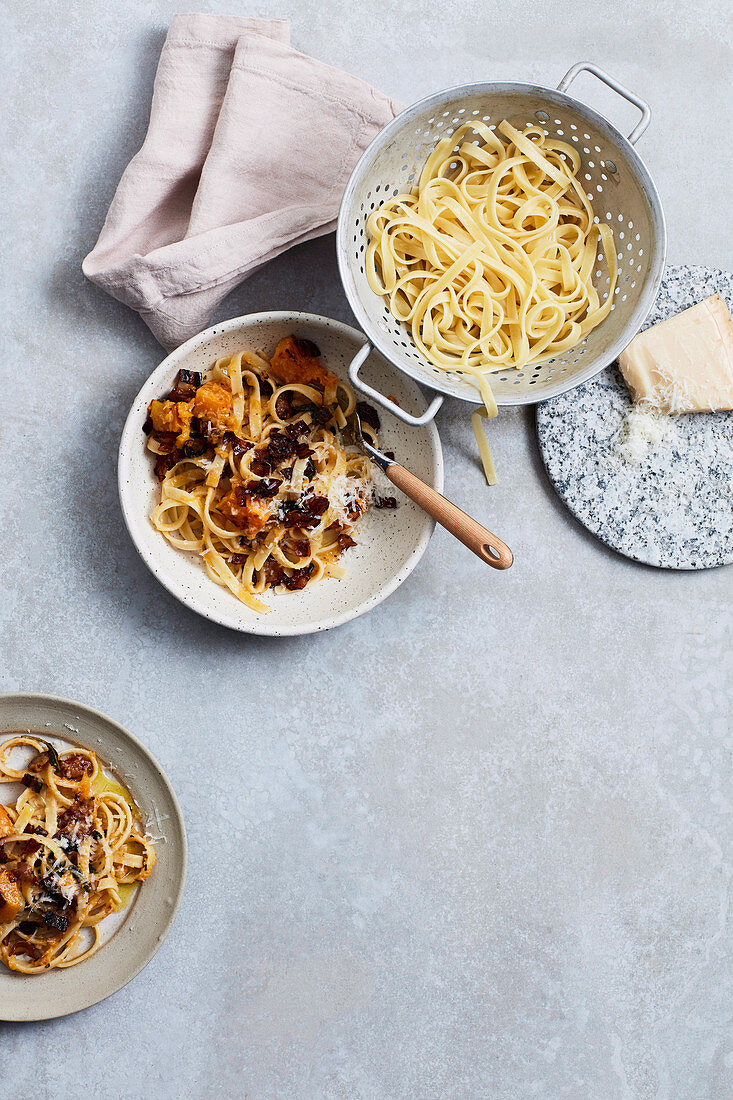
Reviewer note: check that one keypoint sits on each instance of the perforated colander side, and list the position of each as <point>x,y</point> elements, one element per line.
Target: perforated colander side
<point>616,181</point>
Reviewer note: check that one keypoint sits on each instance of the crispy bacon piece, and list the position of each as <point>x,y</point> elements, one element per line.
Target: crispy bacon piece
<point>385,502</point>
<point>185,385</point>
<point>55,920</point>
<point>33,782</point>
<point>279,448</point>
<point>260,467</point>
<point>164,463</point>
<point>298,578</point>
<point>75,766</point>
<point>296,360</point>
<point>274,573</point>
<point>266,487</point>
<point>368,415</point>
<point>345,542</point>
<point>277,575</point>
<point>211,432</point>
<point>289,514</point>
<point>304,513</point>
<point>296,430</point>
<point>316,505</point>
<point>284,406</point>
<point>77,820</point>
<point>238,446</point>
<point>30,847</point>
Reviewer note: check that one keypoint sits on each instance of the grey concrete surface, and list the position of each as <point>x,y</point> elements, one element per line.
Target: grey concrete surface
<point>475,844</point>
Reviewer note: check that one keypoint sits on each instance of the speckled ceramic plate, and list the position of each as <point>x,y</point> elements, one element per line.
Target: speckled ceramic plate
<point>389,543</point>
<point>674,510</point>
<point>151,912</point>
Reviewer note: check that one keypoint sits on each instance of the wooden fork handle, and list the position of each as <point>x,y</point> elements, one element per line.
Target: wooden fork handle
<point>483,543</point>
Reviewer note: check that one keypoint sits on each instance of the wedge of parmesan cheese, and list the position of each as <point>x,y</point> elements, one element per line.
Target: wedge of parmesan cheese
<point>684,364</point>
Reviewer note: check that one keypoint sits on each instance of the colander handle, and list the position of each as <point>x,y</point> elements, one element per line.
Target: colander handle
<point>588,67</point>
<point>354,367</point>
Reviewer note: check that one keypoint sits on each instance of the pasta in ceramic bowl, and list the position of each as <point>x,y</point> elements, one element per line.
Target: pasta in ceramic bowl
<point>244,489</point>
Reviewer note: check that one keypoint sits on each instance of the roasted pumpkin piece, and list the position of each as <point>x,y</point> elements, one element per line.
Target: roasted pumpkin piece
<point>298,361</point>
<point>172,416</point>
<point>11,898</point>
<point>213,402</point>
<point>6,825</point>
<point>248,512</point>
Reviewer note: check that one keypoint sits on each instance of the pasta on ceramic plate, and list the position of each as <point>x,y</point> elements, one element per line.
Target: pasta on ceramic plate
<point>72,850</point>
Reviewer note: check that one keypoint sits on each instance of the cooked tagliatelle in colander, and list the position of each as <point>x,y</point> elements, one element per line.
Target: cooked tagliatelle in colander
<point>71,851</point>
<point>489,260</point>
<point>260,474</point>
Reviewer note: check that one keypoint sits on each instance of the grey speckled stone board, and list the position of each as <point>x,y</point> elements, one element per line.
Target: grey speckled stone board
<point>673,510</point>
<point>476,845</point>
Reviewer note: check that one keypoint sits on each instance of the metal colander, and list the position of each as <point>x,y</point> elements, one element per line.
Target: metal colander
<point>617,183</point>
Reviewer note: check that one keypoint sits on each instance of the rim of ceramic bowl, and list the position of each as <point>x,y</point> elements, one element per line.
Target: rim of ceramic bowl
<point>150,557</point>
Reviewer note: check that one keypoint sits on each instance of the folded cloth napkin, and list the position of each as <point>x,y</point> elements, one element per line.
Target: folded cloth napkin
<point>248,151</point>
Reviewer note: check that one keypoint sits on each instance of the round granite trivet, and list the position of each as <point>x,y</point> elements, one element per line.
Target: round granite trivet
<point>675,509</point>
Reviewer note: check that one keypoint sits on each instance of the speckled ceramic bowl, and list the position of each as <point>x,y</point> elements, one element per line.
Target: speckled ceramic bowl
<point>389,543</point>
<point>141,928</point>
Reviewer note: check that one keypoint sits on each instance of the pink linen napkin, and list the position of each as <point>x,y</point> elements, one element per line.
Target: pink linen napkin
<point>248,151</point>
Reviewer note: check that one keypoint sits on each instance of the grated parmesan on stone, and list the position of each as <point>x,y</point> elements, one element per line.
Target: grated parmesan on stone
<point>643,429</point>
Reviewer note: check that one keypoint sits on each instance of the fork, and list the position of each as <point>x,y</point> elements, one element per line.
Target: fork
<point>466,529</point>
